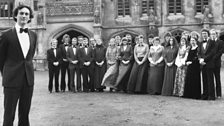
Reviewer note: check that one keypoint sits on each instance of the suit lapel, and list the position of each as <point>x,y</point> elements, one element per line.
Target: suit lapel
<point>16,40</point>
<point>31,38</point>
<point>207,46</point>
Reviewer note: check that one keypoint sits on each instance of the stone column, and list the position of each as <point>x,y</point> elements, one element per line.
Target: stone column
<point>40,26</point>
<point>97,18</point>
<point>152,18</point>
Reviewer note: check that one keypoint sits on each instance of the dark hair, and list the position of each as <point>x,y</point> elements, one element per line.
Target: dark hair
<point>175,43</point>
<point>151,36</point>
<point>168,34</point>
<point>16,10</point>
<point>205,30</point>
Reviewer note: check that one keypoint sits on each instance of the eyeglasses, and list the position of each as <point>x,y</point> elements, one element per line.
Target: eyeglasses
<point>22,13</point>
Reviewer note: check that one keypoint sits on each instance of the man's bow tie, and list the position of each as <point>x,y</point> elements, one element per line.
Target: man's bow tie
<point>204,41</point>
<point>25,30</point>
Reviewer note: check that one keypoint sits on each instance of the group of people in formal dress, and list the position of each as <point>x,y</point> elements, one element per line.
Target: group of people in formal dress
<point>140,65</point>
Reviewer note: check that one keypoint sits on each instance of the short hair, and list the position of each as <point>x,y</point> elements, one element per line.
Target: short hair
<point>205,30</point>
<point>213,30</point>
<point>156,38</point>
<point>112,40</point>
<point>65,36</point>
<point>116,37</point>
<point>80,36</point>
<point>124,39</point>
<point>53,40</point>
<point>16,10</point>
<point>195,33</point>
<point>150,36</point>
<point>141,36</point>
<point>74,38</point>
<point>196,39</point>
<point>85,38</point>
<point>168,34</point>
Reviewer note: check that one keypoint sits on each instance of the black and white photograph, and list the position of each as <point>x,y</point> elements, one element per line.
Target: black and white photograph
<point>111,62</point>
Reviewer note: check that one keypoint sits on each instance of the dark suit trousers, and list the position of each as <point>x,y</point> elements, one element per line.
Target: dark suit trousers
<point>64,68</point>
<point>216,73</point>
<point>87,75</point>
<point>208,83</point>
<point>72,79</point>
<point>11,97</point>
<point>53,74</point>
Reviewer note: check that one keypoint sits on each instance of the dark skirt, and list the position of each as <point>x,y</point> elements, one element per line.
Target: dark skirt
<point>155,79</point>
<point>138,78</point>
<point>168,82</point>
<point>192,87</point>
<point>123,76</point>
<point>110,77</point>
<point>98,75</point>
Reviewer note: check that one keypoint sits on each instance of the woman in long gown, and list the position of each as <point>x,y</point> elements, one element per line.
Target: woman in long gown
<point>181,68</point>
<point>169,55</point>
<point>99,54</point>
<point>138,76</point>
<point>192,87</point>
<point>156,70</point>
<point>125,57</point>
<point>111,74</point>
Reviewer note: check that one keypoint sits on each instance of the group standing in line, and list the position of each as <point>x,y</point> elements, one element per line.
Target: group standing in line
<point>140,65</point>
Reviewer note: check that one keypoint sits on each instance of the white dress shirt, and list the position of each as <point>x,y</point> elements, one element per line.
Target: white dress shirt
<point>74,50</point>
<point>204,45</point>
<point>86,49</point>
<point>24,40</point>
<point>55,54</point>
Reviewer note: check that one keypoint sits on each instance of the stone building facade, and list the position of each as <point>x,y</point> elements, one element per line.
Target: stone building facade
<point>108,18</point>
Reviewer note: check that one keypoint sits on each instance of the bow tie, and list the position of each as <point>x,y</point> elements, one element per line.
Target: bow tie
<point>25,30</point>
<point>204,41</point>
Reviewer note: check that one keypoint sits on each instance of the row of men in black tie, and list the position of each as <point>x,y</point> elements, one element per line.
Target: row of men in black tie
<point>67,58</point>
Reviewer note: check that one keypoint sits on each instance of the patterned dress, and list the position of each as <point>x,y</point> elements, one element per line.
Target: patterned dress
<point>111,74</point>
<point>181,71</point>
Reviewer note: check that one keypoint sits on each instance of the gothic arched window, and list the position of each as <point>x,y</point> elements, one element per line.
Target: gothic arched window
<point>177,34</point>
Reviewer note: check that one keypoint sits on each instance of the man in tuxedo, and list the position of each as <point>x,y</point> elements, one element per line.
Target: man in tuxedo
<point>217,60</point>
<point>65,63</point>
<point>54,59</point>
<point>207,50</point>
<point>74,65</point>
<point>86,65</point>
<point>17,48</point>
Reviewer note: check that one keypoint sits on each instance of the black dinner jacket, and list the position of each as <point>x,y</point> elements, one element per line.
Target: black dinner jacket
<point>71,56</point>
<point>86,57</point>
<point>220,48</point>
<point>13,65</point>
<point>63,50</point>
<point>51,57</point>
<point>208,53</point>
